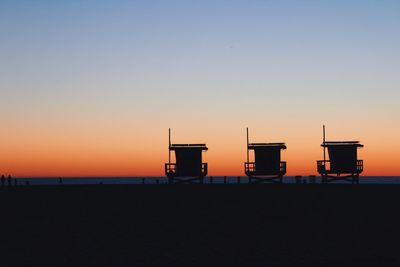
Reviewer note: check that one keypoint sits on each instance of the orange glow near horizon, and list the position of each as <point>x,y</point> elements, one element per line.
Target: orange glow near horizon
<point>109,155</point>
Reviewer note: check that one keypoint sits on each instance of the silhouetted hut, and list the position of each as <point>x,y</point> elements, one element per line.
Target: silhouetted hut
<point>188,166</point>
<point>342,164</point>
<point>267,165</point>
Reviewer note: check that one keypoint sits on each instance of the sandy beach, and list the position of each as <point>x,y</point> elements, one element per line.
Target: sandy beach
<point>242,225</point>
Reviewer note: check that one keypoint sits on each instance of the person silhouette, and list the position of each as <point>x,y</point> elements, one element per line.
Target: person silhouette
<point>3,180</point>
<point>9,179</point>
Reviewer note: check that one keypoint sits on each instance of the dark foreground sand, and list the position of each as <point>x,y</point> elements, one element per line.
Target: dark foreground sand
<point>225,225</point>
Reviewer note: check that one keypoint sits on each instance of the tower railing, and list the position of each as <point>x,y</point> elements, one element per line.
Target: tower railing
<point>170,169</point>
<point>324,166</point>
<point>250,167</point>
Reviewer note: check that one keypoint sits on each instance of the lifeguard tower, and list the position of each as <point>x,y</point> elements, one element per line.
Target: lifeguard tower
<point>188,166</point>
<point>267,166</point>
<point>343,163</point>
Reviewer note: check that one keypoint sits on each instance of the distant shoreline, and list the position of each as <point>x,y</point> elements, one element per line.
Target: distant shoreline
<point>136,180</point>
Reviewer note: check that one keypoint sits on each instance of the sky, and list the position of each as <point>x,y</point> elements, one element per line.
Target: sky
<point>90,88</point>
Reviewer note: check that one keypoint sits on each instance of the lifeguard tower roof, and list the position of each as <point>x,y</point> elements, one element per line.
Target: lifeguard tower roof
<point>259,145</point>
<point>179,146</point>
<point>341,143</point>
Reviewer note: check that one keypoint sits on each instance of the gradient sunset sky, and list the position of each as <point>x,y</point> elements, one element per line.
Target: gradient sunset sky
<point>90,88</point>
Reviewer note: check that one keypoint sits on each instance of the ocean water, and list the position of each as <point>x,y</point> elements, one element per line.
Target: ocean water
<point>163,180</point>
